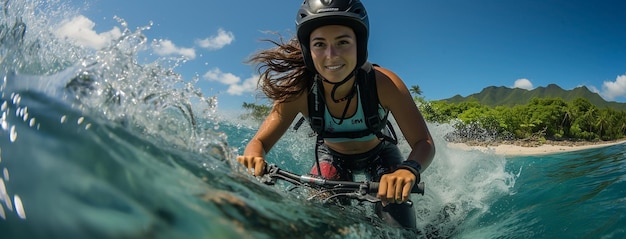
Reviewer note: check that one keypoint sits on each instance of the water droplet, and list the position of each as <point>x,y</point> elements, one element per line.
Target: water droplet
<point>4,106</point>
<point>19,207</point>
<point>5,174</point>
<point>80,120</point>
<point>4,196</point>
<point>88,126</point>
<point>13,134</point>
<point>32,122</point>
<point>17,99</point>
<point>63,119</point>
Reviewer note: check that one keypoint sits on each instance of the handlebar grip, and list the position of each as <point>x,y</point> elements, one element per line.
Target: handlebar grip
<point>418,188</point>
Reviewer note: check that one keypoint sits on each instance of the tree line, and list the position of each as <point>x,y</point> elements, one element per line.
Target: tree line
<point>541,118</point>
<point>255,111</point>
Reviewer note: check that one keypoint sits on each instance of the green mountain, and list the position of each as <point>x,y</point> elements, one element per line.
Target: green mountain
<point>504,96</point>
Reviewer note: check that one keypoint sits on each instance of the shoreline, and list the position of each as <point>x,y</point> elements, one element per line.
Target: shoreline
<point>550,147</point>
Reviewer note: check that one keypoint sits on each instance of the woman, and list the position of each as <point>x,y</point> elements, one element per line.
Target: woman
<point>324,76</point>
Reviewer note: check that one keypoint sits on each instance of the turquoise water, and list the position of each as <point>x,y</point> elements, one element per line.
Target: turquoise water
<point>95,144</point>
<point>569,195</point>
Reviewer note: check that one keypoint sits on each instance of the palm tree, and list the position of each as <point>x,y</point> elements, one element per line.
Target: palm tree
<point>415,89</point>
<point>568,119</point>
<point>256,111</point>
<point>602,122</point>
<point>417,92</point>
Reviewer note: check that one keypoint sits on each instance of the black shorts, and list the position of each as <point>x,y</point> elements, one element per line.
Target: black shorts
<point>382,159</point>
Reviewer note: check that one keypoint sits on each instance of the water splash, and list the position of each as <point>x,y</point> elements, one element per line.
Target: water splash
<point>27,42</point>
<point>108,86</point>
<point>150,98</point>
<point>461,186</point>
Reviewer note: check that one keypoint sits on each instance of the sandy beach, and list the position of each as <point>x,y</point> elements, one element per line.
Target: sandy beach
<point>515,150</point>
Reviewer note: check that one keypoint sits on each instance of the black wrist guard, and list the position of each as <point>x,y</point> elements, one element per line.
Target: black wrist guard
<point>412,166</point>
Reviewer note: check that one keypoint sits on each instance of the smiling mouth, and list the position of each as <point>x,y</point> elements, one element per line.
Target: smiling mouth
<point>334,67</point>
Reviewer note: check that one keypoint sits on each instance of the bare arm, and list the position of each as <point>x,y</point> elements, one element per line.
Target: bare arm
<point>396,98</point>
<point>274,126</point>
<point>394,95</point>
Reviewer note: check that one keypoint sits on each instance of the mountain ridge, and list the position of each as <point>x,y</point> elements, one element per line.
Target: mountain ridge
<point>504,96</point>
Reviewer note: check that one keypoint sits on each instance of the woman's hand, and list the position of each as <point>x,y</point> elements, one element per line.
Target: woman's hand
<point>396,187</point>
<point>255,165</point>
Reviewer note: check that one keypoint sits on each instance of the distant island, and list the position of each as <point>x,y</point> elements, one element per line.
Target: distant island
<point>529,118</point>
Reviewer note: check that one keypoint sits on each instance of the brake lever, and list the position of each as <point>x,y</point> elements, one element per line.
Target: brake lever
<point>270,176</point>
<point>368,197</point>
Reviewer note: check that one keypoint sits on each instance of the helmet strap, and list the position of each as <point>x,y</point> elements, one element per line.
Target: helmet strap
<point>337,84</point>
<point>341,82</point>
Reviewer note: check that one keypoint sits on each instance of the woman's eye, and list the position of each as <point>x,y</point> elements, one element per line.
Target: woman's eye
<point>345,43</point>
<point>318,44</point>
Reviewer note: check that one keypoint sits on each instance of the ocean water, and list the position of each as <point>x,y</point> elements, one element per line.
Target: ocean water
<point>100,144</point>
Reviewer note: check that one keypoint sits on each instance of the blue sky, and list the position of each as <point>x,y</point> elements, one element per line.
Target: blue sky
<point>447,47</point>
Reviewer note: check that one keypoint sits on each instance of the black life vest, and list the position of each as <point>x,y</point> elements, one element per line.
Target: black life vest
<point>377,125</point>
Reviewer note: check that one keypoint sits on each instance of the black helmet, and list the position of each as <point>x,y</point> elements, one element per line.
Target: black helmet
<point>317,13</point>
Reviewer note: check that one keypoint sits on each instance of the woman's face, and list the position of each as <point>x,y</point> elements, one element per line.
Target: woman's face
<point>333,49</point>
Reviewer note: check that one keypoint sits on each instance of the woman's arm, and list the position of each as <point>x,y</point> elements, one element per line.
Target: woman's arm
<point>274,126</point>
<point>395,96</point>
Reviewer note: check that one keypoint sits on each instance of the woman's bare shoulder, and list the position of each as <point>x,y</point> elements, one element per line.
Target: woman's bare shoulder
<point>389,84</point>
<point>297,104</point>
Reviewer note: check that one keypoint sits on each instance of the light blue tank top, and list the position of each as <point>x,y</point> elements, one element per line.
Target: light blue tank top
<point>352,124</point>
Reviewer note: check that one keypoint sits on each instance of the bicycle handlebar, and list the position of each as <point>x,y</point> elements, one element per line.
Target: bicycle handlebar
<point>358,190</point>
<point>372,187</point>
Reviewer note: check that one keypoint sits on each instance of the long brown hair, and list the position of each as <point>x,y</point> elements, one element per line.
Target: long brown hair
<point>283,75</point>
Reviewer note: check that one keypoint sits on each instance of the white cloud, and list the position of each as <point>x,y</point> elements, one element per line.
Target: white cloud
<point>80,29</point>
<point>233,82</point>
<point>216,74</point>
<point>167,47</point>
<point>614,89</point>
<point>222,39</point>
<point>523,84</point>
<point>248,85</point>
<point>591,88</point>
